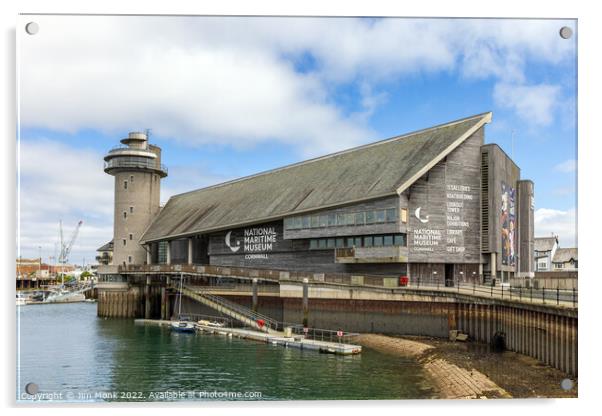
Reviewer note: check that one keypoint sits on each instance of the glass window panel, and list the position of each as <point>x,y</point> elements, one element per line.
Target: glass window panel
<point>287,223</point>
<point>378,241</point>
<point>349,219</point>
<point>368,241</point>
<point>305,221</point>
<point>391,215</point>
<point>323,220</point>
<point>315,221</point>
<point>330,243</point>
<point>340,242</point>
<point>399,240</point>
<point>313,244</point>
<point>359,218</point>
<point>349,242</point>
<point>388,240</point>
<point>297,222</point>
<point>358,241</point>
<point>340,219</point>
<point>332,220</point>
<point>322,243</point>
<point>380,216</point>
<point>370,217</point>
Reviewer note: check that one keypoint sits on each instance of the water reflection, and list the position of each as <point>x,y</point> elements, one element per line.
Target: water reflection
<point>66,347</point>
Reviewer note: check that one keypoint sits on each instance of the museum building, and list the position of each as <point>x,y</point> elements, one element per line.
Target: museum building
<point>437,204</point>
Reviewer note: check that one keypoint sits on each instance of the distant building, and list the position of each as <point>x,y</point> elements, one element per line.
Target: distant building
<point>565,259</point>
<point>545,248</point>
<point>105,254</point>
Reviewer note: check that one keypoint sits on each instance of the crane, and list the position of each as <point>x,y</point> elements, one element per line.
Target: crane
<point>66,248</point>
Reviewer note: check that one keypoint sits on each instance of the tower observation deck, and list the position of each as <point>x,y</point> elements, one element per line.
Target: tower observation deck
<point>136,166</point>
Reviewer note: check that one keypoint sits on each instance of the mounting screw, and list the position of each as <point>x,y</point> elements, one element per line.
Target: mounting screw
<point>566,32</point>
<point>32,28</point>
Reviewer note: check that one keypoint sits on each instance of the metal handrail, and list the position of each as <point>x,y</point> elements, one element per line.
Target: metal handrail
<point>248,313</point>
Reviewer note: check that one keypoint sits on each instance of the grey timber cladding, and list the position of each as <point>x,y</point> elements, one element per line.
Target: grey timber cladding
<point>502,170</point>
<point>444,208</point>
<point>364,173</point>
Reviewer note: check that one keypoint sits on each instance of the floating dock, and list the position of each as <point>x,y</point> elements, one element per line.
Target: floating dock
<point>296,341</point>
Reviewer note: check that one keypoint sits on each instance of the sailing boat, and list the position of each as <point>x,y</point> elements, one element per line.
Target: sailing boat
<point>182,325</point>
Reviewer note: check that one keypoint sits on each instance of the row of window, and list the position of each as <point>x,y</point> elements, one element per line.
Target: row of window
<point>340,219</point>
<point>386,240</point>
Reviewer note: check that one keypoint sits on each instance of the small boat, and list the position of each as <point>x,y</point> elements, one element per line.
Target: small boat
<point>183,326</point>
<point>21,300</point>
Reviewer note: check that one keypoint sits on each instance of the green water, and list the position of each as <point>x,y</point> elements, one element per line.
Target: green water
<point>71,355</point>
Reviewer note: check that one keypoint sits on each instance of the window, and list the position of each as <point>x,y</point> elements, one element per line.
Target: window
<point>349,219</point>
<point>357,241</point>
<point>340,219</point>
<point>388,240</point>
<point>323,220</point>
<point>391,214</point>
<point>132,178</point>
<point>368,241</point>
<point>380,216</point>
<point>305,222</point>
<point>349,242</point>
<point>125,184</point>
<point>378,241</point>
<point>287,223</point>
<point>315,221</point>
<point>129,259</point>
<point>313,244</point>
<point>370,217</point>
<point>322,243</point>
<point>404,215</point>
<point>359,218</point>
<point>125,215</point>
<point>340,242</point>
<point>332,220</point>
<point>131,236</point>
<point>131,210</point>
<point>297,223</point>
<point>330,243</point>
<point>400,240</point>
<point>124,242</point>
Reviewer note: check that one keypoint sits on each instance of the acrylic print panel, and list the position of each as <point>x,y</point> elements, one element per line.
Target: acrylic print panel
<point>275,208</point>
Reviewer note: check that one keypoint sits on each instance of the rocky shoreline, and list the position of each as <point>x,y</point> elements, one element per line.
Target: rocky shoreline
<point>461,370</point>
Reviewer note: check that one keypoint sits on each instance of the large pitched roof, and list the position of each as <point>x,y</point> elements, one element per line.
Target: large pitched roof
<point>545,243</point>
<point>564,255</point>
<point>367,172</point>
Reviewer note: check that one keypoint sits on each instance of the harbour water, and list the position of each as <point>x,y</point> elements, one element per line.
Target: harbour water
<point>71,355</point>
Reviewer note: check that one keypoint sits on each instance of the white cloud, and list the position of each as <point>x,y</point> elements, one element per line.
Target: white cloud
<point>558,222</point>
<point>234,81</point>
<point>533,103</point>
<point>568,166</point>
<point>57,183</point>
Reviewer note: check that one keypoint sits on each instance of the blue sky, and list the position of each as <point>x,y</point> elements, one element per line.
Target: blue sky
<point>228,97</point>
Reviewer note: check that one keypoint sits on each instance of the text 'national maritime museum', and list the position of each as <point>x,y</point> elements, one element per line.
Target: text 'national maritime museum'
<point>436,204</point>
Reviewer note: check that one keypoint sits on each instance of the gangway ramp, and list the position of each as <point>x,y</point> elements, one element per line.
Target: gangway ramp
<point>233,310</point>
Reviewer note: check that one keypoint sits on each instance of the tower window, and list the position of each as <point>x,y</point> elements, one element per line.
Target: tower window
<point>131,210</point>
<point>129,259</point>
<point>131,236</point>
<point>132,178</point>
<point>124,242</point>
<point>125,215</point>
<point>125,184</point>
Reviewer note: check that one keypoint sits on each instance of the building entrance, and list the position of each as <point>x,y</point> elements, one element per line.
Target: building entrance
<point>449,275</point>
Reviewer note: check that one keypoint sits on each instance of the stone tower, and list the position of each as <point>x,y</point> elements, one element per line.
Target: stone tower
<point>136,166</point>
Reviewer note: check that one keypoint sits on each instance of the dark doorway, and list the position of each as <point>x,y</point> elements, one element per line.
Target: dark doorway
<point>449,275</point>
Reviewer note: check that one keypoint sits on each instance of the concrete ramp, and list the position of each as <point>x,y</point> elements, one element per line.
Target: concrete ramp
<point>235,311</point>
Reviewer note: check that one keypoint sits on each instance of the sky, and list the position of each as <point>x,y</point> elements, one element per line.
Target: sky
<point>226,97</point>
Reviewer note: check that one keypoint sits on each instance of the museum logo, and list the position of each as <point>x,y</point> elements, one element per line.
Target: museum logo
<point>417,214</point>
